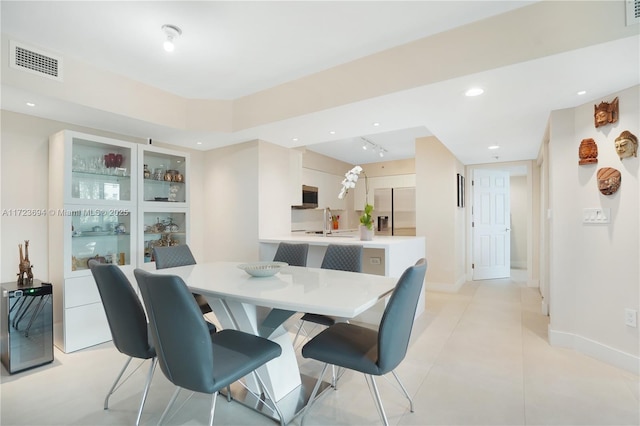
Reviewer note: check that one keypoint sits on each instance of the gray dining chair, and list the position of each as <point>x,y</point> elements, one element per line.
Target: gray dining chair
<point>295,254</point>
<point>180,255</point>
<point>371,352</point>
<point>341,257</point>
<point>127,322</point>
<point>189,356</point>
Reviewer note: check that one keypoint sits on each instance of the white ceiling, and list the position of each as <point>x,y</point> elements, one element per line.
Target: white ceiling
<point>233,49</point>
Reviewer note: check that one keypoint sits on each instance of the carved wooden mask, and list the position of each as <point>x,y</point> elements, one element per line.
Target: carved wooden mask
<point>627,145</point>
<point>609,180</point>
<point>605,113</point>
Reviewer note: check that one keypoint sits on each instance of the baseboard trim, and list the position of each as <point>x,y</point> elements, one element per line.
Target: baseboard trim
<point>595,350</point>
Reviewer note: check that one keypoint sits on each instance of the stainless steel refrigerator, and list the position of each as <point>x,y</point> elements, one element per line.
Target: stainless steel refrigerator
<point>395,211</point>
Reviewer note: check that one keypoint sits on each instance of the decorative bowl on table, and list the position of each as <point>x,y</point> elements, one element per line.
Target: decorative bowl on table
<point>262,269</point>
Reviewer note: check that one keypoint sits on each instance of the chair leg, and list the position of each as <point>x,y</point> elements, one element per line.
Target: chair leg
<point>377,399</point>
<point>312,397</point>
<point>334,378</point>
<point>171,401</point>
<point>213,407</point>
<point>295,339</point>
<point>106,399</point>
<point>404,391</point>
<point>147,385</point>
<point>271,398</point>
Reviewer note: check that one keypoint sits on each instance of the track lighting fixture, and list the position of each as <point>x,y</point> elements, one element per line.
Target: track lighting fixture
<point>366,144</point>
<point>172,32</point>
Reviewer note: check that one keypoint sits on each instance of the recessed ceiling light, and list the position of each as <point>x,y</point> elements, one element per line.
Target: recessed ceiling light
<point>494,147</point>
<point>172,33</point>
<point>295,139</point>
<point>582,92</point>
<point>332,132</point>
<point>31,104</point>
<point>198,143</point>
<point>376,124</point>
<point>474,91</point>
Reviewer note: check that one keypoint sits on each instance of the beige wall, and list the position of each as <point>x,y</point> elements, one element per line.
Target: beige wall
<point>231,203</point>
<point>438,218</point>
<point>390,168</point>
<point>593,268</point>
<point>313,160</point>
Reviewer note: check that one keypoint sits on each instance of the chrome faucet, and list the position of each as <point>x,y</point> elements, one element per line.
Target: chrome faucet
<point>326,218</point>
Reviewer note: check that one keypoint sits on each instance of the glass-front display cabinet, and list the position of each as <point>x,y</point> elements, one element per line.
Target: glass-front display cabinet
<point>100,234</point>
<point>163,176</point>
<point>162,227</point>
<point>92,213</point>
<point>100,170</point>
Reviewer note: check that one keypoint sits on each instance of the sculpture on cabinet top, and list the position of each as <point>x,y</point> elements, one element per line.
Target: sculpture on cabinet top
<point>25,274</point>
<point>605,113</point>
<point>627,145</point>
<point>609,180</point>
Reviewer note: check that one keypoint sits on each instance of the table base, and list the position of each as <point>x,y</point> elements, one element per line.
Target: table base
<point>290,406</point>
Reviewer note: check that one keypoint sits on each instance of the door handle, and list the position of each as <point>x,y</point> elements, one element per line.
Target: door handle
<point>507,229</point>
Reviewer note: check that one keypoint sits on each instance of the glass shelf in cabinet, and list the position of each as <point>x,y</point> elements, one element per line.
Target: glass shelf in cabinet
<point>118,174</point>
<point>93,234</point>
<point>162,181</point>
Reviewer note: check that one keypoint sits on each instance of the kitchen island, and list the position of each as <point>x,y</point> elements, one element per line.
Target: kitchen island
<point>383,255</point>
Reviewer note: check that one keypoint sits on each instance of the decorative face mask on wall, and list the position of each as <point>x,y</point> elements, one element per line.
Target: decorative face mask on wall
<point>609,180</point>
<point>627,145</point>
<point>605,113</point>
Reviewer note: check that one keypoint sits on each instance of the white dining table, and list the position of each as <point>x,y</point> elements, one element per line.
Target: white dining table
<point>260,305</point>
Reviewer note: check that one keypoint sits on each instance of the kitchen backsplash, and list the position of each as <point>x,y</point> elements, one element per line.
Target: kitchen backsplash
<point>309,219</point>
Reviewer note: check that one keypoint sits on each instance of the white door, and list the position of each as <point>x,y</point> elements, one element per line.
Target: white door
<point>491,225</point>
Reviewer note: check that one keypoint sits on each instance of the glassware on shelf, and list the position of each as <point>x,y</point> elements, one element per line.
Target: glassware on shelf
<point>146,173</point>
<point>173,192</point>
<point>158,173</point>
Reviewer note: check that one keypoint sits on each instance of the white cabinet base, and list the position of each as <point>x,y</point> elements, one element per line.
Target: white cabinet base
<point>81,327</point>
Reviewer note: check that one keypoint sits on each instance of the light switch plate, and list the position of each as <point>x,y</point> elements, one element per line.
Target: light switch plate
<point>631,317</point>
<point>597,215</point>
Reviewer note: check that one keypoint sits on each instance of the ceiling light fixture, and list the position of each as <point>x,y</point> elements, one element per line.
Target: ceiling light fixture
<point>31,104</point>
<point>474,91</point>
<point>375,147</point>
<point>172,32</point>
<point>376,124</point>
<point>582,92</point>
<point>332,132</point>
<point>494,147</point>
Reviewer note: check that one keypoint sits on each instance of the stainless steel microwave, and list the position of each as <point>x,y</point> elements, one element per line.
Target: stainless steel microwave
<point>309,198</point>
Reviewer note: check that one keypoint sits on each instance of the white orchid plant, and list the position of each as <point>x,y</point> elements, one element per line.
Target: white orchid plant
<point>350,179</point>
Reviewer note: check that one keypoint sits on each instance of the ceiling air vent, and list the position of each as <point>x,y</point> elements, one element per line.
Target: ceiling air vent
<point>35,61</point>
<point>633,12</point>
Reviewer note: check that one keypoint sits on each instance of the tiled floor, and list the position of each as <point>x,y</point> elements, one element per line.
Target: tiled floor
<point>478,357</point>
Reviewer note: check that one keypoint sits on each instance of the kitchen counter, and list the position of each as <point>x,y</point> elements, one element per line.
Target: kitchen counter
<point>345,237</point>
<point>383,255</point>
